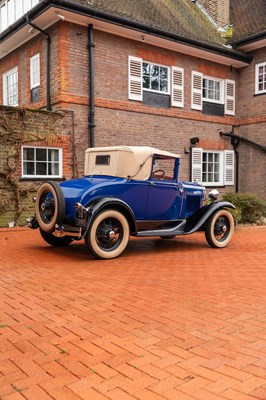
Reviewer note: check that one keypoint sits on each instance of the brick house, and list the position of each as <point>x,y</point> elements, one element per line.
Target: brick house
<point>187,76</point>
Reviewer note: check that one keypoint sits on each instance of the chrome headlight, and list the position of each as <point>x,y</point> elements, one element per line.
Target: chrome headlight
<point>213,194</point>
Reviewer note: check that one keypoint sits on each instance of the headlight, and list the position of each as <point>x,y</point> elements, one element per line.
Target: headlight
<point>213,194</point>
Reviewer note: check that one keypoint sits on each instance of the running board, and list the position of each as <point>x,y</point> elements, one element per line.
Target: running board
<point>176,230</point>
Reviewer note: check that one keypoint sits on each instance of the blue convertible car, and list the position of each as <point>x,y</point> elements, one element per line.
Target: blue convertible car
<point>128,191</point>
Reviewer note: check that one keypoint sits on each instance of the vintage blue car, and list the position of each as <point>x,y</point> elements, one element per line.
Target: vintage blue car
<point>127,191</point>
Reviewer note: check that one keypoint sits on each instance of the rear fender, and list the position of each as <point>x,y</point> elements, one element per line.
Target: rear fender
<point>112,203</point>
<point>197,220</point>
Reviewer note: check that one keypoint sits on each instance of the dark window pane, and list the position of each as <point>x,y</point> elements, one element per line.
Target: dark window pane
<point>28,154</point>
<point>28,168</point>
<point>155,71</point>
<point>155,84</point>
<point>163,73</point>
<point>103,160</point>
<point>41,155</point>
<point>146,82</point>
<point>145,69</point>
<point>163,86</point>
<point>41,168</point>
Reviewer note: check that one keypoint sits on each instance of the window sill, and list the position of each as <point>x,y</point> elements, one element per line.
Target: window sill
<point>33,179</point>
<point>259,94</point>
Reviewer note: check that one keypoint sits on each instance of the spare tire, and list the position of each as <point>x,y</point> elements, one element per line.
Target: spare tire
<point>50,206</point>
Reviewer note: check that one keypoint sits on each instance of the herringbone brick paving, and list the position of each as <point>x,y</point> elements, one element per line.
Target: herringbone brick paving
<point>169,319</point>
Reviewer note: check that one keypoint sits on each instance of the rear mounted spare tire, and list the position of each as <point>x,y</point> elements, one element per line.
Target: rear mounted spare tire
<point>50,206</point>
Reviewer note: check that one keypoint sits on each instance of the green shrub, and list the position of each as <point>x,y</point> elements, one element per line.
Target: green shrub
<point>250,209</point>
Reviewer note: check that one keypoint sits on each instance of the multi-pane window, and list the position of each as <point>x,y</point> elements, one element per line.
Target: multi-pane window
<point>35,71</point>
<point>212,90</point>
<point>10,87</point>
<point>41,162</point>
<point>155,77</point>
<point>211,167</point>
<point>260,78</point>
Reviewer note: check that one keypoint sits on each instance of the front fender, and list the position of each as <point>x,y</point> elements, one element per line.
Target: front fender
<point>112,203</point>
<point>197,220</point>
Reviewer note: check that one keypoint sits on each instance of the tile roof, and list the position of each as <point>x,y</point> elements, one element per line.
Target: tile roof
<point>248,17</point>
<point>180,17</point>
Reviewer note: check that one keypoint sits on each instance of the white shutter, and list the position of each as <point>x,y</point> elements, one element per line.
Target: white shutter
<point>229,163</point>
<point>196,95</point>
<point>135,78</point>
<point>196,164</point>
<point>177,98</point>
<point>229,97</point>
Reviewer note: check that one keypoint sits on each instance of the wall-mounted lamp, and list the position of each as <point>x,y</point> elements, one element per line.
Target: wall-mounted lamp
<point>142,38</point>
<point>194,141</point>
<point>60,16</point>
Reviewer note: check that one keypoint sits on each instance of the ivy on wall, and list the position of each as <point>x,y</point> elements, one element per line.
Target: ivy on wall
<point>18,127</point>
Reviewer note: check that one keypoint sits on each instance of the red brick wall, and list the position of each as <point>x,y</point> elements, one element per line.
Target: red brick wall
<point>118,120</point>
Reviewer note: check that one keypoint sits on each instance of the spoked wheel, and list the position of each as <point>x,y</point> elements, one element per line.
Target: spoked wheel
<point>54,240</point>
<point>50,206</point>
<point>108,235</point>
<point>219,228</point>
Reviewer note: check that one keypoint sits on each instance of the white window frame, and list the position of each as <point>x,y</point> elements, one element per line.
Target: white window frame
<point>6,94</point>
<point>221,81</point>
<point>168,78</point>
<point>221,167</point>
<point>33,81</point>
<point>226,166</point>
<point>257,91</point>
<point>60,162</point>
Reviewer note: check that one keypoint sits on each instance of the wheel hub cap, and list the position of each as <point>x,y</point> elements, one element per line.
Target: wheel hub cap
<point>111,234</point>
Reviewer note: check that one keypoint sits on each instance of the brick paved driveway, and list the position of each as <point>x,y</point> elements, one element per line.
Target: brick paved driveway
<point>172,320</point>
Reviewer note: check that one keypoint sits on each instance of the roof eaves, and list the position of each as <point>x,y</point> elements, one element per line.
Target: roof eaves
<point>125,22</point>
<point>249,39</point>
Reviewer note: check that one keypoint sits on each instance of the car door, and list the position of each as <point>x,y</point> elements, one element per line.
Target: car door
<point>165,193</point>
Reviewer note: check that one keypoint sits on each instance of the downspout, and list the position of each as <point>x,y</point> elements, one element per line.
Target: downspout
<point>235,143</point>
<point>48,62</point>
<point>91,87</point>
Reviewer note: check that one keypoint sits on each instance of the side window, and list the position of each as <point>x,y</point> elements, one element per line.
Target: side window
<point>41,162</point>
<point>260,78</point>
<point>155,84</point>
<point>35,78</point>
<point>213,167</point>
<point>212,95</point>
<point>10,87</point>
<point>163,168</point>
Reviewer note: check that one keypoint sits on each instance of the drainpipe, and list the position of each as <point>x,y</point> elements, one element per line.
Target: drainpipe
<point>91,88</point>
<point>48,62</point>
<point>235,143</point>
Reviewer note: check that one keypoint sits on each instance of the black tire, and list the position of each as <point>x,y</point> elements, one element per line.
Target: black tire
<point>108,234</point>
<point>50,206</point>
<point>219,228</point>
<point>54,240</point>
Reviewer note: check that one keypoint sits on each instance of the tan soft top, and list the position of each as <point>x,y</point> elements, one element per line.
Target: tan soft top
<point>133,162</point>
